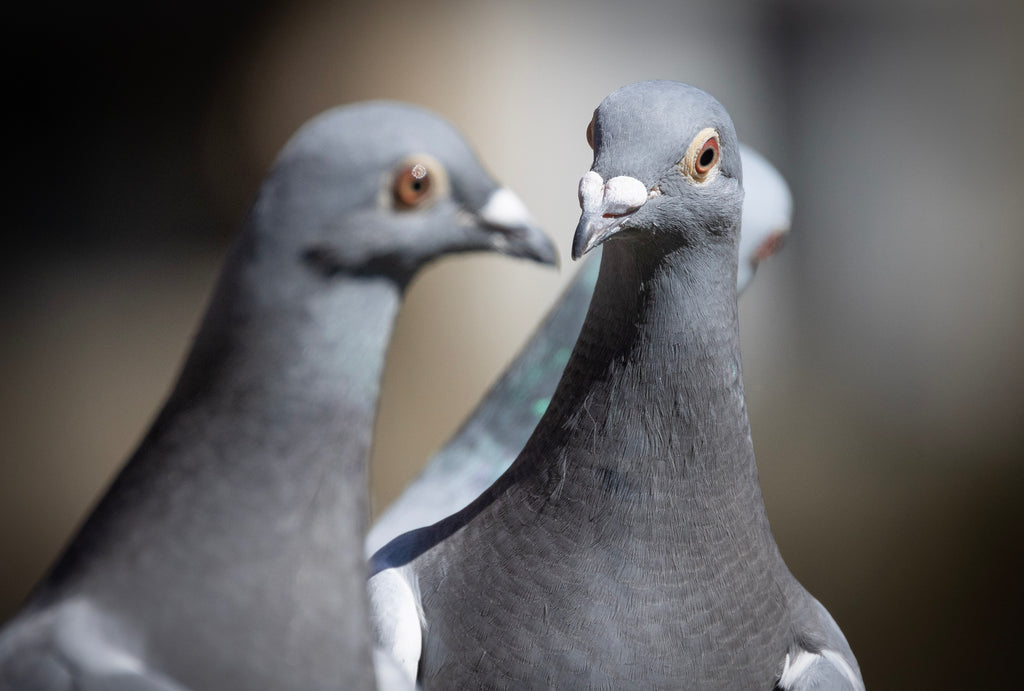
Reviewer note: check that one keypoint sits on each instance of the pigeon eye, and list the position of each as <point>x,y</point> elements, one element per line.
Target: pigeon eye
<point>413,185</point>
<point>707,157</point>
<point>702,156</point>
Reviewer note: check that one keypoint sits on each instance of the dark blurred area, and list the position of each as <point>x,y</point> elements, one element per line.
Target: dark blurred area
<point>882,347</point>
<point>108,106</point>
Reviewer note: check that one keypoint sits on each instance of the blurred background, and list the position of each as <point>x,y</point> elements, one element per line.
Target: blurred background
<point>883,346</point>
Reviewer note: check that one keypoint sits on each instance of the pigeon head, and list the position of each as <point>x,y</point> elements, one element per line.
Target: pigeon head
<point>767,210</point>
<point>382,188</point>
<point>666,169</point>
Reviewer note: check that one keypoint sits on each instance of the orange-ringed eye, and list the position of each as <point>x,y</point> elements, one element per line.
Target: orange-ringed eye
<point>702,156</point>
<point>707,157</point>
<point>412,185</point>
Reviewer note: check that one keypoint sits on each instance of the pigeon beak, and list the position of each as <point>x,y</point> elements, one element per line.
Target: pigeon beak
<point>516,233</point>
<point>606,206</point>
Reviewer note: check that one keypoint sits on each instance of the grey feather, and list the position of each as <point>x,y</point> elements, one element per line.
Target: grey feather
<point>228,551</point>
<point>487,443</point>
<point>628,544</point>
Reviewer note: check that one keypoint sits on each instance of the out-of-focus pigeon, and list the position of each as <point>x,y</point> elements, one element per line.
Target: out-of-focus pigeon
<point>228,553</point>
<point>491,438</point>
<point>628,545</point>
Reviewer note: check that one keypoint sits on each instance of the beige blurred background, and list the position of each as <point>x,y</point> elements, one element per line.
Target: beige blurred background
<point>882,347</point>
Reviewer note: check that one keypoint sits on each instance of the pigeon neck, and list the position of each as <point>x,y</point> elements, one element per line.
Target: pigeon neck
<point>653,394</point>
<point>255,467</point>
<point>279,391</point>
<point>292,341</point>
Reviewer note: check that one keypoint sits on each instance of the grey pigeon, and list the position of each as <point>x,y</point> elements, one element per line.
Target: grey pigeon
<point>628,545</point>
<point>491,438</point>
<point>228,553</point>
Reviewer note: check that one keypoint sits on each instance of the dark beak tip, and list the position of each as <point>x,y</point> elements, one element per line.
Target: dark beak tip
<point>540,247</point>
<point>530,242</point>
<point>580,240</point>
<point>548,256</point>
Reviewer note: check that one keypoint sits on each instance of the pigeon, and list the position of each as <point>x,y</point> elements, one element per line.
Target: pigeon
<point>487,443</point>
<point>628,545</point>
<point>227,553</point>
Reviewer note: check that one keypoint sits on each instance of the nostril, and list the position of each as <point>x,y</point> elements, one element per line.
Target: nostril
<point>591,191</point>
<point>623,195</point>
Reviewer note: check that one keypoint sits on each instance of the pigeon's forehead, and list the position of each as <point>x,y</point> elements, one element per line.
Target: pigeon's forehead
<point>353,148</point>
<point>379,133</point>
<point>650,124</point>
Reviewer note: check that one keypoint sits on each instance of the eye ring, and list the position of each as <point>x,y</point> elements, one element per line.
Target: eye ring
<point>702,156</point>
<point>412,185</point>
<point>707,157</point>
<point>417,181</point>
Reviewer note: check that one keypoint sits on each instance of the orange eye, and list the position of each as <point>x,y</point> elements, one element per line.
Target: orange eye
<point>413,184</point>
<point>702,156</point>
<point>707,157</point>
